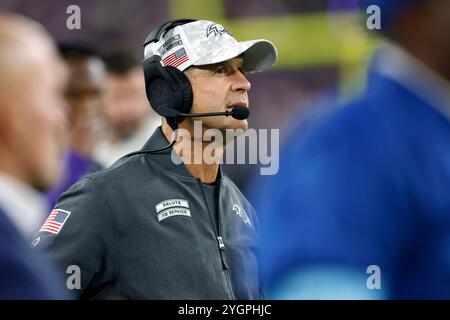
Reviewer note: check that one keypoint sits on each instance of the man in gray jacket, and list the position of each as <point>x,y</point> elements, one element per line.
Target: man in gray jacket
<point>158,224</point>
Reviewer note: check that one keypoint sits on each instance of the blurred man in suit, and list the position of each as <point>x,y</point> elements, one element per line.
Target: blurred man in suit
<point>32,125</point>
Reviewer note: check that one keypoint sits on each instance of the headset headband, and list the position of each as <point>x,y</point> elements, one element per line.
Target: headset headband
<point>157,33</point>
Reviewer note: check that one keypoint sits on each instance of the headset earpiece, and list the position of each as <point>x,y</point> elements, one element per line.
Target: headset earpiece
<point>184,87</point>
<point>168,89</point>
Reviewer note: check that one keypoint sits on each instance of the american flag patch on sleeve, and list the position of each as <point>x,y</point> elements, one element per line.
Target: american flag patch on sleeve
<point>55,221</point>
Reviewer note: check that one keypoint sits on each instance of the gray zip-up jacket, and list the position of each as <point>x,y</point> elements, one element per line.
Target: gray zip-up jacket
<point>142,229</point>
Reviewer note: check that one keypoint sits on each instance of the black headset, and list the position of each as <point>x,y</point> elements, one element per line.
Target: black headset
<point>168,89</point>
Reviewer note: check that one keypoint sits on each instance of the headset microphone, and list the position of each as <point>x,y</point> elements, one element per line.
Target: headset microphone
<point>239,113</point>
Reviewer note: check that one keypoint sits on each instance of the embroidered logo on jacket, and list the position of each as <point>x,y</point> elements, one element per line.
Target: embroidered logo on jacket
<point>241,213</point>
<point>172,207</point>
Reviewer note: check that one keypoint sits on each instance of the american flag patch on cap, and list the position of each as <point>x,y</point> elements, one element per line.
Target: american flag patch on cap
<point>176,58</point>
<point>55,221</point>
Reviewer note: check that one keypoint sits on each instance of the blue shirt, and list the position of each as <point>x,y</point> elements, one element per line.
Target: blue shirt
<point>368,186</point>
<point>24,273</point>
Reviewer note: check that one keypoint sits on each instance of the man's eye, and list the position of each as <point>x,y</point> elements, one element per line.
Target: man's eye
<point>221,70</point>
<point>243,71</point>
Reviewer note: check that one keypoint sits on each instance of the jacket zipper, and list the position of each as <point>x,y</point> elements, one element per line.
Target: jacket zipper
<point>220,242</point>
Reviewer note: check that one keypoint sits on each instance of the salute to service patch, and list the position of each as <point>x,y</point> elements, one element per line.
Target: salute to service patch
<point>172,207</point>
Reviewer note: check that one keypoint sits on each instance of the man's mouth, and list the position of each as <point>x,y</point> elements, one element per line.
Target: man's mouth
<point>237,104</point>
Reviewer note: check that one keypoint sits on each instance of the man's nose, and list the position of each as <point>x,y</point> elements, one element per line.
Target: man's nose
<point>240,82</point>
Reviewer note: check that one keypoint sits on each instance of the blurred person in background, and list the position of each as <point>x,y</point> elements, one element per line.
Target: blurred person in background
<point>360,208</point>
<point>128,117</point>
<point>84,96</point>
<point>32,141</point>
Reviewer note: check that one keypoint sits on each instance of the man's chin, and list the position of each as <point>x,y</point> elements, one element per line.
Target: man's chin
<point>44,184</point>
<point>239,125</point>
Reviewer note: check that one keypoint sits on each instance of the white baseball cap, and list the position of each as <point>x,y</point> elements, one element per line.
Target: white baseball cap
<point>205,42</point>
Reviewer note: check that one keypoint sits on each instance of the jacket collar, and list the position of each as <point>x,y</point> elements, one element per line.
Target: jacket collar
<point>164,158</point>
<point>23,205</point>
